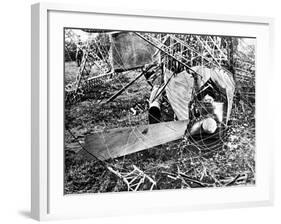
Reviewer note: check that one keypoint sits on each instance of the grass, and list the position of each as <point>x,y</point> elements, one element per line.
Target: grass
<point>71,71</point>
<point>224,162</point>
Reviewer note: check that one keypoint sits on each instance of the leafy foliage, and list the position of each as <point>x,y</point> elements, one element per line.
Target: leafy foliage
<point>70,45</point>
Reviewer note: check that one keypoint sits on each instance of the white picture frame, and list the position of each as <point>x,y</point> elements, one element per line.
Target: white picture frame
<point>47,198</point>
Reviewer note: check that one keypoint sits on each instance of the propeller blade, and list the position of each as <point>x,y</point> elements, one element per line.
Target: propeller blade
<point>118,142</point>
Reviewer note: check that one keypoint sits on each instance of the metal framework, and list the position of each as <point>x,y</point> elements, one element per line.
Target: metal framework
<point>177,51</point>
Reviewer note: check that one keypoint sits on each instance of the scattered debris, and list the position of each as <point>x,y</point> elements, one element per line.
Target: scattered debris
<point>134,179</point>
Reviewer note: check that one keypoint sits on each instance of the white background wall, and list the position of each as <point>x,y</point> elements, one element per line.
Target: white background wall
<point>15,110</point>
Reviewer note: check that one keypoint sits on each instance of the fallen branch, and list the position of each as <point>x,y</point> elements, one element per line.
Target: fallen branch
<point>134,178</point>
<point>239,177</point>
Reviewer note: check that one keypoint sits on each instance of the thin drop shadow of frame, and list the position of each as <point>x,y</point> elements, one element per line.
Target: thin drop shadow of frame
<point>25,213</point>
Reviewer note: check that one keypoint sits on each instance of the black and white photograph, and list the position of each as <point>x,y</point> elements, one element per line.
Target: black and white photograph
<point>150,111</point>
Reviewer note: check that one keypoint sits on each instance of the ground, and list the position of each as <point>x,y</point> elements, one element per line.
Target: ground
<point>185,163</point>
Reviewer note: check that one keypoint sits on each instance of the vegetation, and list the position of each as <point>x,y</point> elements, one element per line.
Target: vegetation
<point>185,163</point>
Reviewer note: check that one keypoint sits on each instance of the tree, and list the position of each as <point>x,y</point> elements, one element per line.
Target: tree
<point>70,45</point>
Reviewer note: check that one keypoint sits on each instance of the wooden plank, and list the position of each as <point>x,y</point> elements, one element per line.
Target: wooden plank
<point>123,141</point>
